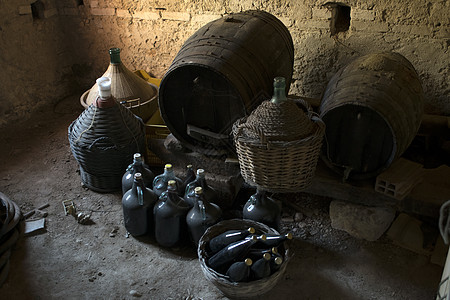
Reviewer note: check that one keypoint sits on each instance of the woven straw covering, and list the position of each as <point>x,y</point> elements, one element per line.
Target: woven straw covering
<point>103,141</point>
<point>239,290</point>
<point>125,85</point>
<point>137,94</point>
<point>278,122</point>
<point>279,165</point>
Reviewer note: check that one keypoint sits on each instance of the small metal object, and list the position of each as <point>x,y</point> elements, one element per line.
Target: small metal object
<point>83,218</point>
<point>69,207</point>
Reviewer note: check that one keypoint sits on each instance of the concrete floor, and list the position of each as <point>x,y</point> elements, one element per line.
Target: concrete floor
<point>73,261</point>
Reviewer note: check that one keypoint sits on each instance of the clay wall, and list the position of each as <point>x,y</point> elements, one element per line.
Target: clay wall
<point>63,46</point>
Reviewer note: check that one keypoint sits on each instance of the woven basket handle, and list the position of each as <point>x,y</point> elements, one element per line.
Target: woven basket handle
<point>259,130</point>
<point>101,139</point>
<point>306,107</point>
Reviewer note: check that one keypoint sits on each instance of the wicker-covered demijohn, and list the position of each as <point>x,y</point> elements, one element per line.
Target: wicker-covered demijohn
<point>239,290</point>
<point>103,140</point>
<point>278,145</point>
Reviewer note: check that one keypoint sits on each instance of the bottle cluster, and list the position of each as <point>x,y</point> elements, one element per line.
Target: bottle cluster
<point>167,206</point>
<point>245,255</point>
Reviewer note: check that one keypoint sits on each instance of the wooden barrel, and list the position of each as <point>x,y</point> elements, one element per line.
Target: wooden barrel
<point>372,109</point>
<point>221,73</point>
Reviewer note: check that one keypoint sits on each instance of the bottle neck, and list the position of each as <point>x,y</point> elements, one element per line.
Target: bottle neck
<point>200,198</point>
<point>279,90</point>
<point>258,196</point>
<point>114,54</point>
<point>168,173</point>
<point>172,195</point>
<point>201,181</point>
<point>137,165</point>
<point>279,95</point>
<point>104,103</point>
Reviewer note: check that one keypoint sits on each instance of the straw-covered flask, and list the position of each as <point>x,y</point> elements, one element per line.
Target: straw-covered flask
<point>103,140</point>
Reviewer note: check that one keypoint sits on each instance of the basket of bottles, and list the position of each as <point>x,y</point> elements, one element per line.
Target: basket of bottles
<point>243,258</point>
<point>278,144</point>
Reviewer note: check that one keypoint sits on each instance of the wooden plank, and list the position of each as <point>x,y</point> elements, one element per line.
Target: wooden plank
<point>328,184</point>
<point>425,199</point>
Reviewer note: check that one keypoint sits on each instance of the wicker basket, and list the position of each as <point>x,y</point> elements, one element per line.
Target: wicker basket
<point>279,165</point>
<point>240,290</point>
<point>103,142</point>
<point>10,216</point>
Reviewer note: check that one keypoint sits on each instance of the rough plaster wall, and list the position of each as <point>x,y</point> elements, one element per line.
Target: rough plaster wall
<point>34,68</point>
<point>150,33</point>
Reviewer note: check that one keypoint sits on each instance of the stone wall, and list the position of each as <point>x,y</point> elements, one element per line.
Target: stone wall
<point>68,46</point>
<point>33,59</point>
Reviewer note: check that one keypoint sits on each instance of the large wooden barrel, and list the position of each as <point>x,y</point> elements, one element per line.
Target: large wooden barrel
<point>372,109</point>
<point>221,73</point>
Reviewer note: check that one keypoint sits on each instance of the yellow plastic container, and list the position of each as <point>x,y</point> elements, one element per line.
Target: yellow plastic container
<point>155,129</point>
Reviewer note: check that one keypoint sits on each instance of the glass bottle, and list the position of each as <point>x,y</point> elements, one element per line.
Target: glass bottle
<point>240,270</point>
<point>138,166</point>
<point>261,267</point>
<point>170,217</point>
<point>201,216</point>
<point>189,176</point>
<point>273,240</point>
<point>160,182</point>
<point>137,204</point>
<point>279,90</point>
<point>219,242</point>
<point>223,259</point>
<point>275,262</point>
<point>262,209</point>
<point>209,193</point>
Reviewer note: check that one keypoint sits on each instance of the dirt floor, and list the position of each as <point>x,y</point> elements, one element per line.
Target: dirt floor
<point>68,260</point>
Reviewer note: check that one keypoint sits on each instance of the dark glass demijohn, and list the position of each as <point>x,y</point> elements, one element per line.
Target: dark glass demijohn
<point>240,271</point>
<point>137,166</point>
<point>137,204</point>
<point>201,216</point>
<point>161,181</point>
<point>170,217</point>
<point>208,192</point>
<point>262,209</point>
